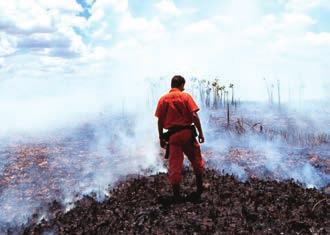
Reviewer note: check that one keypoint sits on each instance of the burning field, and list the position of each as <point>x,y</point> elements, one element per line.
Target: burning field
<point>266,173</point>
<point>61,183</point>
<point>83,106</point>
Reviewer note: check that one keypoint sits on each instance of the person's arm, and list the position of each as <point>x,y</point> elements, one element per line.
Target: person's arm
<point>160,114</point>
<point>193,108</point>
<point>198,125</point>
<point>160,128</point>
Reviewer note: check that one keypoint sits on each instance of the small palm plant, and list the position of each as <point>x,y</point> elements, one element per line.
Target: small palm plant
<point>231,86</point>
<point>215,85</point>
<point>222,89</point>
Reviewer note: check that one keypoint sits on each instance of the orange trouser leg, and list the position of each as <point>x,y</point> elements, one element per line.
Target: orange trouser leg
<point>193,152</point>
<point>175,164</point>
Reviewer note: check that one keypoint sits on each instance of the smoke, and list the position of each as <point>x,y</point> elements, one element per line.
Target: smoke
<point>11,203</point>
<point>42,105</point>
<point>274,153</point>
<point>73,126</point>
<point>65,138</point>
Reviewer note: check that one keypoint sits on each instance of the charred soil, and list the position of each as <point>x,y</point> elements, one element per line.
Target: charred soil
<point>227,207</point>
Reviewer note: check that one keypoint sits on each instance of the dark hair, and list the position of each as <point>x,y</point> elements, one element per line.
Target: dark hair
<point>177,81</point>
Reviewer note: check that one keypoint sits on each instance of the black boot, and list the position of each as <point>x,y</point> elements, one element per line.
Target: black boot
<point>199,184</point>
<point>176,193</point>
<point>196,196</point>
<point>173,199</point>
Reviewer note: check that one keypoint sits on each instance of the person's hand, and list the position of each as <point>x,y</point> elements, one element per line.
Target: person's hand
<point>201,139</point>
<point>162,143</point>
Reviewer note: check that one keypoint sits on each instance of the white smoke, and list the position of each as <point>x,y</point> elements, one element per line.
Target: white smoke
<point>120,137</point>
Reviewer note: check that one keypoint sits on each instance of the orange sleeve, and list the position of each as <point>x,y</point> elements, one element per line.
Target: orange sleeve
<point>192,106</point>
<point>159,110</point>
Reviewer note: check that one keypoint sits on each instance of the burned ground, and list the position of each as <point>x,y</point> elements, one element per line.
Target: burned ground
<point>227,207</point>
<point>63,168</point>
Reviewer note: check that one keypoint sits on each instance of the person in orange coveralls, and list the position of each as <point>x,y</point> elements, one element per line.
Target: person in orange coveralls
<point>176,112</point>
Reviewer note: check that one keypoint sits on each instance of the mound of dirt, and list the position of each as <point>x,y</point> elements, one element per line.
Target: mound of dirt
<point>227,207</point>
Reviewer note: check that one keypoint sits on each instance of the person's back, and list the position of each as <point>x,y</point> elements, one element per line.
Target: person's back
<point>178,108</point>
<point>176,111</point>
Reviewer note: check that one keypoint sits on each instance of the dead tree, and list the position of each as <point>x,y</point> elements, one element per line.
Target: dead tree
<point>278,94</point>
<point>232,93</point>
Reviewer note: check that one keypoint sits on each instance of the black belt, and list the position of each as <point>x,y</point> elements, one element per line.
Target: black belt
<point>172,130</point>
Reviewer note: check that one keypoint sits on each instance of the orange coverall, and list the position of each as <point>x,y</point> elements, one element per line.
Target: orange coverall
<point>176,109</point>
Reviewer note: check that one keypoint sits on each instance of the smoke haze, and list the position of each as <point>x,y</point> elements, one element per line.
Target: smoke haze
<point>79,82</point>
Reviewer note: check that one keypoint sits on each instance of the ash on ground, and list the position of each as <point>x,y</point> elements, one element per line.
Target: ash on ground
<point>227,207</point>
